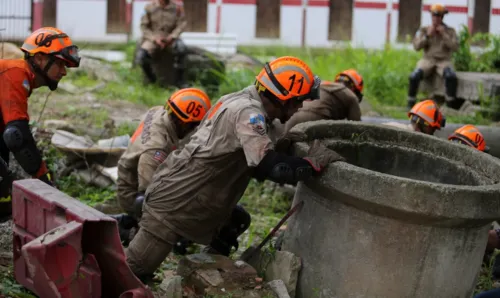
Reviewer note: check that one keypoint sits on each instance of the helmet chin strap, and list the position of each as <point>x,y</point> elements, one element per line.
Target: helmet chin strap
<point>44,73</point>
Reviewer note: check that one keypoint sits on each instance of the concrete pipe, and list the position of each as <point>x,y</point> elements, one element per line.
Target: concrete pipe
<point>406,216</point>
<point>491,133</point>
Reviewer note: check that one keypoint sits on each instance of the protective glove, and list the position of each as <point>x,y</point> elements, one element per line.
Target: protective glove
<point>284,144</point>
<point>319,156</point>
<point>139,200</point>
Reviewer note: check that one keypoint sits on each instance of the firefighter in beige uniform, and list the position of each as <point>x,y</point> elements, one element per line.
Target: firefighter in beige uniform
<point>157,135</point>
<point>195,189</point>
<point>162,23</point>
<point>438,42</point>
<point>338,100</point>
<point>425,117</point>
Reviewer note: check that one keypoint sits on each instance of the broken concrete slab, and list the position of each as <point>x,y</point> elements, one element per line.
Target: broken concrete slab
<point>208,274</point>
<point>58,124</point>
<point>279,288</point>
<point>278,265</point>
<point>170,288</point>
<point>10,51</point>
<point>81,148</point>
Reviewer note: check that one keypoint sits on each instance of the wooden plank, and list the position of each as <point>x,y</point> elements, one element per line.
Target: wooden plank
<point>340,20</point>
<point>196,15</point>
<point>116,21</point>
<point>410,14</point>
<point>49,18</point>
<point>481,23</point>
<point>268,19</point>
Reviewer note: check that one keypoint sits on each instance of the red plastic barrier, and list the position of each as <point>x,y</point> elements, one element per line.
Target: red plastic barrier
<point>64,248</point>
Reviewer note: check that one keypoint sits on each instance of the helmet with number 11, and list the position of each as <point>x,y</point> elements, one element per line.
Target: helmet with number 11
<point>287,81</point>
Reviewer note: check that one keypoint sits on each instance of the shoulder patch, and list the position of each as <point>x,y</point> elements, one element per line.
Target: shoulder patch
<point>160,156</point>
<point>26,85</point>
<point>258,123</point>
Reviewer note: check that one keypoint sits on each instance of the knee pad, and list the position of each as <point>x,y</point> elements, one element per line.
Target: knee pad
<point>448,73</point>
<point>416,75</point>
<point>228,236</point>
<point>414,81</point>
<point>142,57</point>
<point>450,81</point>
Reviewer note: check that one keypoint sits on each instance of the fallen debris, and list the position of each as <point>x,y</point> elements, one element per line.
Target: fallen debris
<point>81,148</point>
<point>279,288</point>
<point>10,51</point>
<point>171,287</point>
<point>206,274</point>
<point>279,265</point>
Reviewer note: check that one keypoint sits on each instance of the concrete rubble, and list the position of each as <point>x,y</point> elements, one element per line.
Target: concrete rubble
<point>206,274</point>
<point>278,265</point>
<point>279,288</point>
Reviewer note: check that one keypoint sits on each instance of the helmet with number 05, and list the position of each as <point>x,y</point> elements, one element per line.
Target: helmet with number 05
<point>53,42</point>
<point>469,135</point>
<point>289,78</point>
<point>429,112</point>
<point>189,104</point>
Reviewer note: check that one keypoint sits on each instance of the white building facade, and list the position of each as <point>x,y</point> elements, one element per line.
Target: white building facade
<point>315,23</point>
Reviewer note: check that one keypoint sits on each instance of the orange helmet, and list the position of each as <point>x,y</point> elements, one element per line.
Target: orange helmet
<point>429,112</point>
<point>289,78</point>
<point>469,135</point>
<point>54,42</point>
<point>438,9</point>
<point>353,80</point>
<point>189,104</point>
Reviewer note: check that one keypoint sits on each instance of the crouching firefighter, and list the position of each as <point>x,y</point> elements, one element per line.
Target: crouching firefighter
<point>439,42</point>
<point>194,192</point>
<point>157,135</point>
<point>338,100</point>
<point>425,117</point>
<point>47,53</point>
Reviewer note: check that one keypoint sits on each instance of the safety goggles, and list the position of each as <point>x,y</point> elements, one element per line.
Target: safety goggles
<point>312,95</point>
<point>69,54</point>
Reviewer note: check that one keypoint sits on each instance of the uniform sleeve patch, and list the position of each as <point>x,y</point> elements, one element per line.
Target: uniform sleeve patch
<point>258,123</point>
<point>26,85</point>
<point>160,156</point>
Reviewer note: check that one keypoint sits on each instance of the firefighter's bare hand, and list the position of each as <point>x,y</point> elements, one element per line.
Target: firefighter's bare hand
<point>440,29</point>
<point>169,40</point>
<point>319,156</point>
<point>430,30</point>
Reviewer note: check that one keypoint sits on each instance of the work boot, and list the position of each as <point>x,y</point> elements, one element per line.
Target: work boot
<point>181,247</point>
<point>411,102</point>
<point>125,225</point>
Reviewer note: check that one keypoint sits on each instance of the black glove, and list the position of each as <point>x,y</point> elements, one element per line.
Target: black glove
<point>139,201</point>
<point>284,144</point>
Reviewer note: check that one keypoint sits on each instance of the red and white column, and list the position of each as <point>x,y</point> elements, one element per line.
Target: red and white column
<point>218,15</point>
<point>388,22</point>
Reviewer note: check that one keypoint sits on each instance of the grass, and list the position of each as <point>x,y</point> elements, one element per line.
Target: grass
<point>385,78</point>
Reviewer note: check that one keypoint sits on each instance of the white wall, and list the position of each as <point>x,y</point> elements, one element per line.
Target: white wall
<point>85,21</point>
<point>18,28</point>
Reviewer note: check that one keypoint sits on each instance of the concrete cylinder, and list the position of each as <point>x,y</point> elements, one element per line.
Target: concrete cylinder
<point>406,216</point>
<point>491,133</point>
